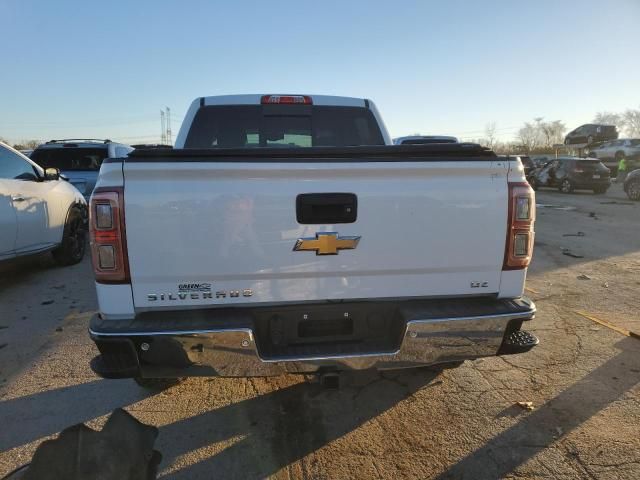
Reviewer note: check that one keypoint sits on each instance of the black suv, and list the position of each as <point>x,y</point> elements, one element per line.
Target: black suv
<point>591,133</point>
<point>568,174</point>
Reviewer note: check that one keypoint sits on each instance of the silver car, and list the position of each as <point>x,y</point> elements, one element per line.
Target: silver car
<point>611,152</point>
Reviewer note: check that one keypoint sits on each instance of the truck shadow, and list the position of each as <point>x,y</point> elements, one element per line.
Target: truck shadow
<point>260,436</point>
<point>274,430</point>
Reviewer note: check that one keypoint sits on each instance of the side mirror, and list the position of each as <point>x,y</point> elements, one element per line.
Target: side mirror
<point>51,173</point>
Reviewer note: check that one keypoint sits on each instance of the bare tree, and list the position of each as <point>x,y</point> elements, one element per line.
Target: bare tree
<point>610,118</point>
<point>31,144</point>
<point>27,145</point>
<point>545,132</point>
<point>528,137</point>
<point>490,133</point>
<point>540,135</point>
<point>632,122</point>
<point>555,132</point>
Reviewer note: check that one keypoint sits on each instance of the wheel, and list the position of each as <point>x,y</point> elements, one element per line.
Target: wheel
<point>157,384</point>
<point>566,186</point>
<point>589,140</point>
<point>600,190</point>
<point>74,240</point>
<point>633,190</point>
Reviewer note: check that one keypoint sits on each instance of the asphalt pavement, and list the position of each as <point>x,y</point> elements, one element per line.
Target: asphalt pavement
<point>464,423</point>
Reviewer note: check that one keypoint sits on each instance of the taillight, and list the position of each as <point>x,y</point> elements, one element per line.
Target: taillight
<point>108,240</point>
<point>522,215</point>
<point>286,99</point>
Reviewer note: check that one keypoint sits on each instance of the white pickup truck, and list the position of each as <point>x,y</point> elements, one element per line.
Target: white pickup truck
<point>287,234</point>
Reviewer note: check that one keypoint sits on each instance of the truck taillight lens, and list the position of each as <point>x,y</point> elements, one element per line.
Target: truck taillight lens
<point>520,234</point>
<point>108,240</point>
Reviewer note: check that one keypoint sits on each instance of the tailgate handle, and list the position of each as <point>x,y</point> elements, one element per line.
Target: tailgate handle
<point>320,208</point>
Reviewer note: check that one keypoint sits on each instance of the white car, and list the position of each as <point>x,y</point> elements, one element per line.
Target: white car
<point>610,153</point>
<point>39,211</point>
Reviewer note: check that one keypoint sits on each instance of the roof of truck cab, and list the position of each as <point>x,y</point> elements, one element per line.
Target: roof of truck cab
<point>255,99</point>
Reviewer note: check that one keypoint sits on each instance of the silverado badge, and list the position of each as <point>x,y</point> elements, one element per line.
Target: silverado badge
<point>326,243</point>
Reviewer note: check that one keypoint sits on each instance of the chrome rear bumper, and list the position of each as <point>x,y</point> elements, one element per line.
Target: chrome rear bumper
<point>234,351</point>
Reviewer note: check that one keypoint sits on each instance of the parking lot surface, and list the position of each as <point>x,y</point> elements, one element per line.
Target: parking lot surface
<point>465,423</point>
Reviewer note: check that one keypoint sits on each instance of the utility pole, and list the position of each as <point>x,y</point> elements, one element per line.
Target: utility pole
<point>169,139</point>
<point>163,128</point>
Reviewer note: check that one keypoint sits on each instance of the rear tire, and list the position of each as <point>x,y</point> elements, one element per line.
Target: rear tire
<point>566,186</point>
<point>74,240</point>
<point>633,190</point>
<point>157,384</point>
<point>600,190</point>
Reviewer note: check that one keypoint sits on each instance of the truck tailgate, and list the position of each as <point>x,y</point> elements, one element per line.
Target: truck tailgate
<point>216,233</point>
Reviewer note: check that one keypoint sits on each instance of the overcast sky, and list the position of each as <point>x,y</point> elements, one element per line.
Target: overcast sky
<point>105,69</point>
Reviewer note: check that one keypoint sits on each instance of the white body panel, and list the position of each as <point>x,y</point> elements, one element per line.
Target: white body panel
<point>426,228</point>
<point>115,301</point>
<point>39,214</point>
<point>512,283</point>
<point>8,220</point>
<point>33,213</point>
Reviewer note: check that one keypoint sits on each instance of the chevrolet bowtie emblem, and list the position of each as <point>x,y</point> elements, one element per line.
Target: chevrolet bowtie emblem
<point>326,243</point>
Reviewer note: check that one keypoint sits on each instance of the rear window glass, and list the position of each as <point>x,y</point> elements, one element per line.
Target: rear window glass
<point>252,126</point>
<point>70,158</point>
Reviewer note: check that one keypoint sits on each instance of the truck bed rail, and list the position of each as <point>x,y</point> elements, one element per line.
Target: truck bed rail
<point>377,153</point>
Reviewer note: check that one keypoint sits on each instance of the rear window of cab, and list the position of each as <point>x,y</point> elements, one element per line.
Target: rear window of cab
<point>255,126</point>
